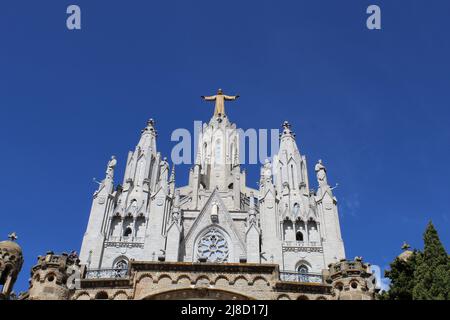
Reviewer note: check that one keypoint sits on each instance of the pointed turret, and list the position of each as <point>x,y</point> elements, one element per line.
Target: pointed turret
<point>95,232</point>
<point>290,167</point>
<point>333,245</point>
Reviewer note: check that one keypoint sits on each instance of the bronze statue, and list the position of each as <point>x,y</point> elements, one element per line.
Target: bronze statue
<point>220,99</point>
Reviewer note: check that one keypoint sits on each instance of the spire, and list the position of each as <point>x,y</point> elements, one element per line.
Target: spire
<point>287,130</point>
<point>150,128</point>
<point>147,142</point>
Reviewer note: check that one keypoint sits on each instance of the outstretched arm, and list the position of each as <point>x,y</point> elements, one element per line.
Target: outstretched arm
<point>230,97</point>
<point>209,98</point>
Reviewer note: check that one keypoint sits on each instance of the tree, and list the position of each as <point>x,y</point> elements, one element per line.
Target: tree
<point>432,273</point>
<point>417,275</point>
<point>401,274</point>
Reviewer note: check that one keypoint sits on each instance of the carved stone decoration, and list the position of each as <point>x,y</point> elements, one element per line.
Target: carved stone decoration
<point>215,212</point>
<point>321,173</point>
<point>213,247</point>
<point>110,168</point>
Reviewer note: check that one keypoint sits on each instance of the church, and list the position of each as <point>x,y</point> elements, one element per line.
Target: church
<point>214,238</point>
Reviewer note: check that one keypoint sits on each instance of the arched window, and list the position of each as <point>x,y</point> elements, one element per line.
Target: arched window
<point>121,264</point>
<point>292,177</point>
<point>128,228</point>
<point>299,236</point>
<point>302,269</point>
<point>232,155</point>
<point>296,210</point>
<point>120,267</point>
<point>218,152</point>
<point>302,273</point>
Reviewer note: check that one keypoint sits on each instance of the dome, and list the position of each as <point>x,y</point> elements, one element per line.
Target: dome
<point>405,255</point>
<point>11,247</point>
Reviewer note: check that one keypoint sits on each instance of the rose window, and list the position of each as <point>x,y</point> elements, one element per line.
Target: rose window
<point>213,247</point>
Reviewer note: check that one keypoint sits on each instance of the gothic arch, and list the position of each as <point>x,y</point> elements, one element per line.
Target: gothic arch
<point>121,262</point>
<point>303,262</point>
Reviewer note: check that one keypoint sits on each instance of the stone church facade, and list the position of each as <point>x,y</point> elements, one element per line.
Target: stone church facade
<point>216,237</point>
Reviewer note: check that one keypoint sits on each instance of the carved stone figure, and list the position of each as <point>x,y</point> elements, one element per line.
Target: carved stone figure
<point>164,169</point>
<point>110,168</point>
<point>321,173</point>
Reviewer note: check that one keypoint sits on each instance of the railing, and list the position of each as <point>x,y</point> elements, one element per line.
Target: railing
<point>301,244</point>
<point>301,277</point>
<point>106,273</point>
<point>125,239</point>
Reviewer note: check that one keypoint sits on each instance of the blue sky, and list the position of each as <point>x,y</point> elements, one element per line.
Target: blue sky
<point>374,105</point>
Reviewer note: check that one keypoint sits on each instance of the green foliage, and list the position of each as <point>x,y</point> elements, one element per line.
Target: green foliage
<point>432,274</point>
<point>422,275</point>
<point>401,274</point>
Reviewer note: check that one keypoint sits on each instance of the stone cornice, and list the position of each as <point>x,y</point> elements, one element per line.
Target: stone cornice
<point>105,283</point>
<point>288,286</point>
<point>204,267</point>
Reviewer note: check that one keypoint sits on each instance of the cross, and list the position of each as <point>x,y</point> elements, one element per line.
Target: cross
<point>12,236</point>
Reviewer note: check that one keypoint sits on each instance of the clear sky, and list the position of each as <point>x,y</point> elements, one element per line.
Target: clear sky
<point>374,105</point>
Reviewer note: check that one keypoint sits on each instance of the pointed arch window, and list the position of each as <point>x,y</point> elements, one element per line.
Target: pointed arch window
<point>292,177</point>
<point>218,152</point>
<point>302,273</point>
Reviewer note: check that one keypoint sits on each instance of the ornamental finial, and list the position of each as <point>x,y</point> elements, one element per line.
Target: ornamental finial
<point>405,246</point>
<point>12,236</point>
